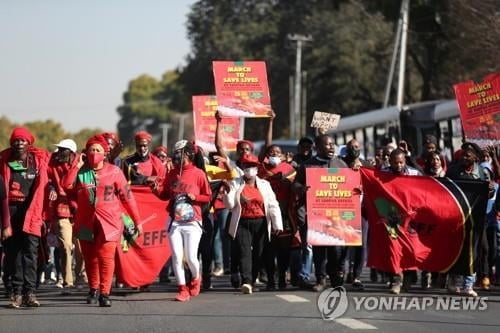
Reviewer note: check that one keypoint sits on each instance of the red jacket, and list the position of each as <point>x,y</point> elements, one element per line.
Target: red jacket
<point>37,210</point>
<point>63,205</point>
<point>112,196</point>
<point>192,180</point>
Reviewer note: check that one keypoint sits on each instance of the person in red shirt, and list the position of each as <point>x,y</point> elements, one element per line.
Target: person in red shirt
<point>24,169</point>
<point>102,192</point>
<point>186,188</point>
<point>63,207</point>
<point>142,167</point>
<point>254,212</point>
<point>162,153</point>
<point>115,148</point>
<point>280,175</point>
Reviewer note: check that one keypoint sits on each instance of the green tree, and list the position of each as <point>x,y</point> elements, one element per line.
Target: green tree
<point>148,102</point>
<point>343,69</point>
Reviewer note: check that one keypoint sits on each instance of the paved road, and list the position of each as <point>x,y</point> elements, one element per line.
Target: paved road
<point>226,310</point>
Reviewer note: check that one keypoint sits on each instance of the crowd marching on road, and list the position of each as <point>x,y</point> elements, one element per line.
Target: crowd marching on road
<point>61,214</point>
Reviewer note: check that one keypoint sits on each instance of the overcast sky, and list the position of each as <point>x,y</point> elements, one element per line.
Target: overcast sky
<point>71,60</point>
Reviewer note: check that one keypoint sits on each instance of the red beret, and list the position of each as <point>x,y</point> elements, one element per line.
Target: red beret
<point>143,135</point>
<point>458,154</point>
<point>159,149</point>
<point>22,133</point>
<point>249,159</point>
<point>250,143</point>
<point>112,136</point>
<point>97,139</point>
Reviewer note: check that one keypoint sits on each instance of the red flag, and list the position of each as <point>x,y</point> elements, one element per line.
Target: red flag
<point>143,261</point>
<point>416,222</point>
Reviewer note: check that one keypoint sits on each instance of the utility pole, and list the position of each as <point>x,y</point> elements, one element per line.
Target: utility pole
<point>300,41</point>
<point>182,124</point>
<point>405,9</point>
<point>401,36</point>
<point>164,133</point>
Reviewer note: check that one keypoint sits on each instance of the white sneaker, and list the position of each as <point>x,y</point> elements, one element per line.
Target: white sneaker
<point>59,284</point>
<point>246,288</point>
<point>218,271</point>
<point>469,292</point>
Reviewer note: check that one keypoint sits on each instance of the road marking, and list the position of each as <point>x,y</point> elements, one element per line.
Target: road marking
<point>293,298</point>
<point>355,324</point>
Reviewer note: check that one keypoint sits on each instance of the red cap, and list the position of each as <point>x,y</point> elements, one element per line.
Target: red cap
<point>159,149</point>
<point>143,135</point>
<point>111,135</point>
<point>22,133</point>
<point>98,139</point>
<point>249,159</point>
<point>248,142</point>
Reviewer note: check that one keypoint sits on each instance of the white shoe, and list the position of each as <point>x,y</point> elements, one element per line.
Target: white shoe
<point>59,284</point>
<point>218,271</point>
<point>246,288</point>
<point>469,292</point>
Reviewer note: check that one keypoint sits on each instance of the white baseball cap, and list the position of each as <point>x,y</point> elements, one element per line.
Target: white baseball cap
<point>68,144</point>
<point>180,144</point>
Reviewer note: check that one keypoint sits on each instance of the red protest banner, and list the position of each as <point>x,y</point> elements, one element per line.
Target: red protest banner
<point>479,105</point>
<point>333,207</point>
<point>143,261</point>
<point>242,89</point>
<point>204,108</point>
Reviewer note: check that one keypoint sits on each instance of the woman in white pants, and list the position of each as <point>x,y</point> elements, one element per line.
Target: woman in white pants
<point>187,189</point>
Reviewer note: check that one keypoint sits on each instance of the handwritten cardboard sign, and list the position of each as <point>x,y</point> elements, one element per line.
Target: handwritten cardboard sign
<point>325,120</point>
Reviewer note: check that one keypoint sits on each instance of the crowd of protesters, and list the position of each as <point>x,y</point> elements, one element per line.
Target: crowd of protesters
<point>245,217</point>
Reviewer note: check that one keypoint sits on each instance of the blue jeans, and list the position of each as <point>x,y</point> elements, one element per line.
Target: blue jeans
<point>469,281</point>
<point>222,243</point>
<point>307,254</point>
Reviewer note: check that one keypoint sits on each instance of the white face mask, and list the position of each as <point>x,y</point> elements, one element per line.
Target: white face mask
<point>274,160</point>
<point>250,172</point>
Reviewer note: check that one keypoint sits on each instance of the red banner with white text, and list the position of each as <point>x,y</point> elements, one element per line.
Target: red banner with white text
<point>479,105</point>
<point>242,89</point>
<point>143,261</point>
<point>333,207</point>
<point>204,108</point>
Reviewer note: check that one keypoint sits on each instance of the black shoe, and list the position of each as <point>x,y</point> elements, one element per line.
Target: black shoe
<point>271,286</point>
<point>337,280</point>
<point>235,281</point>
<point>282,282</point>
<point>373,275</point>
<point>104,301</point>
<point>30,301</point>
<point>92,297</point>
<point>206,282</point>
<point>304,284</point>
<point>16,301</point>
<point>350,278</point>
<point>320,285</point>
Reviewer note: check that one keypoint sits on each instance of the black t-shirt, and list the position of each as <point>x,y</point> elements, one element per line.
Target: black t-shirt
<point>317,162</point>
